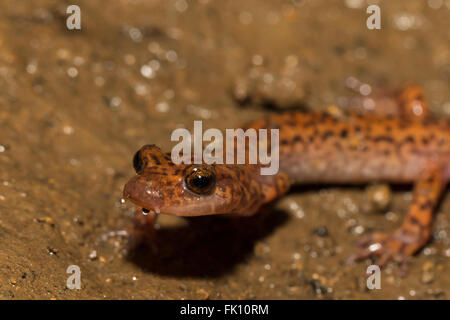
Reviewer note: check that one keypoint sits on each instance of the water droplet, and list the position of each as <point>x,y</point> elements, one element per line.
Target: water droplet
<point>68,130</point>
<point>162,107</point>
<point>99,81</point>
<point>181,5</point>
<point>365,89</point>
<point>171,56</point>
<point>135,34</point>
<point>257,60</point>
<point>32,67</point>
<point>147,71</point>
<point>72,72</point>
<point>115,102</point>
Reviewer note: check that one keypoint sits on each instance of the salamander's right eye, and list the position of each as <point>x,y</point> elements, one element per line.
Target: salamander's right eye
<point>138,164</point>
<point>201,179</point>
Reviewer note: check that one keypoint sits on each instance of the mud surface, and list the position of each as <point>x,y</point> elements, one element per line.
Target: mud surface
<point>76,105</point>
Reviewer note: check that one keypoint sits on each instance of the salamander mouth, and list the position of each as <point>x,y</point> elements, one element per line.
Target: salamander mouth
<point>146,211</point>
<point>142,207</point>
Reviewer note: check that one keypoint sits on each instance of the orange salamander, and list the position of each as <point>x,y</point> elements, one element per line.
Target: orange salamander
<point>409,147</point>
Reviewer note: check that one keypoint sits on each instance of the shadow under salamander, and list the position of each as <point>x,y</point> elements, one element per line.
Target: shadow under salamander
<point>211,246</point>
<point>208,246</point>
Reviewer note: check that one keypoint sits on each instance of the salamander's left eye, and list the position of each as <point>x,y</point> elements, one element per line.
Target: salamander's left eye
<point>201,179</point>
<point>138,164</point>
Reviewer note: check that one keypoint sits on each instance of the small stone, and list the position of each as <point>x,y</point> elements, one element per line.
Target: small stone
<point>427,277</point>
<point>428,266</point>
<point>204,294</point>
<point>379,196</point>
<point>93,255</point>
<point>52,251</point>
<point>321,231</point>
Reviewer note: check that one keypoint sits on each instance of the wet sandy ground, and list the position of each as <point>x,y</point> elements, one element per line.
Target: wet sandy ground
<point>76,105</point>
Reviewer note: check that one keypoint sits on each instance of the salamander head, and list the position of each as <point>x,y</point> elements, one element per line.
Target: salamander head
<point>182,189</point>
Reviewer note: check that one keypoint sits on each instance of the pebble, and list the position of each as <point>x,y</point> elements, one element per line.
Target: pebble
<point>321,231</point>
<point>427,277</point>
<point>93,255</point>
<point>379,196</point>
<point>428,274</point>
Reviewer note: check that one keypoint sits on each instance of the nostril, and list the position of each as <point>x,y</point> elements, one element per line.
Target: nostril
<point>138,164</point>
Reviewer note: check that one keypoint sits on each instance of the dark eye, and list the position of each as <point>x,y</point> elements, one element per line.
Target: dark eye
<point>201,179</point>
<point>138,164</point>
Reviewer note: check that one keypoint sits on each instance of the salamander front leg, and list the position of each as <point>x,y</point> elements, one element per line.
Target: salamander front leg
<point>142,231</point>
<point>416,229</point>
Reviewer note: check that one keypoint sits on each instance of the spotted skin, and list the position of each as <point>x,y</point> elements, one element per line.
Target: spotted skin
<point>317,148</point>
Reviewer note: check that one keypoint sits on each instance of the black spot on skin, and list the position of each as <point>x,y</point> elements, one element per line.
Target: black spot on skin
<point>298,139</point>
<point>327,134</point>
<point>364,148</point>
<point>284,142</point>
<point>168,157</point>
<point>344,133</point>
<point>159,173</point>
<point>427,205</point>
<point>425,140</point>
<point>418,96</point>
<point>383,138</point>
<point>309,123</point>
<point>273,125</point>
<point>414,221</point>
<point>155,159</point>
<point>429,179</point>
<point>291,123</point>
<point>178,170</point>
<point>408,139</point>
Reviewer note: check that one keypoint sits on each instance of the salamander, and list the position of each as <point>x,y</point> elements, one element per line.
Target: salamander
<point>404,146</point>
